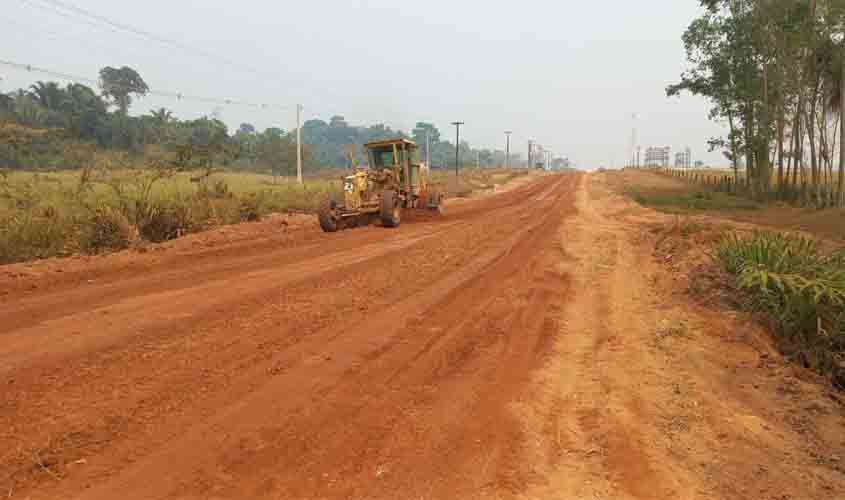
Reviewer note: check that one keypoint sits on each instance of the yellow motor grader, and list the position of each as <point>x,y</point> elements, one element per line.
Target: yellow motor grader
<point>393,183</point>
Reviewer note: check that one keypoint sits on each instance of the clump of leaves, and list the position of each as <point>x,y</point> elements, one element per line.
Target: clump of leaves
<point>800,288</point>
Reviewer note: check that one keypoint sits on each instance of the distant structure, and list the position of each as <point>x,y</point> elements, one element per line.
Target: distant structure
<point>683,159</point>
<point>561,163</point>
<point>657,157</point>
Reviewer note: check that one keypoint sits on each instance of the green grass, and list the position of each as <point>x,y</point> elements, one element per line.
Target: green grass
<point>800,288</point>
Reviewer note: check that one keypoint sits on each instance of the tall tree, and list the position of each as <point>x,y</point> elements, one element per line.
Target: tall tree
<point>120,84</point>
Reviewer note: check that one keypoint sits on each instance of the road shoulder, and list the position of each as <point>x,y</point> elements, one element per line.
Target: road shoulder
<point>651,394</point>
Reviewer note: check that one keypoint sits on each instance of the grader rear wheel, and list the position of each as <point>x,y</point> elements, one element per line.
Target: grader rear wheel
<point>435,199</point>
<point>422,199</point>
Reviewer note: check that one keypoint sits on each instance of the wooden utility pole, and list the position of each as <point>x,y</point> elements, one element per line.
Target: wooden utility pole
<point>508,149</point>
<point>428,148</point>
<point>457,145</point>
<point>299,144</point>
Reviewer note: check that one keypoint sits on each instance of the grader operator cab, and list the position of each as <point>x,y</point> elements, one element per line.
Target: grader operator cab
<point>393,184</point>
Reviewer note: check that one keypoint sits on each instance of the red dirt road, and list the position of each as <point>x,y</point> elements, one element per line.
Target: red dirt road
<point>370,363</point>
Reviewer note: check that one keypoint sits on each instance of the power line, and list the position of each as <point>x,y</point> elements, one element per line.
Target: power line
<point>161,93</point>
<point>74,12</point>
<point>57,36</point>
<point>79,14</point>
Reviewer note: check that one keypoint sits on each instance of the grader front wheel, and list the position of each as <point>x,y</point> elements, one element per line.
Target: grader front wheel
<point>391,209</point>
<point>329,217</point>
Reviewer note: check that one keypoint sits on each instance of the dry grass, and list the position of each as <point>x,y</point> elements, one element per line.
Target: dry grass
<point>53,214</point>
<point>60,213</point>
<point>471,180</point>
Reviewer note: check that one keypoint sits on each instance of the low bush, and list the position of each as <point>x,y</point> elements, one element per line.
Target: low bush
<point>106,230</point>
<point>168,223</point>
<point>800,288</point>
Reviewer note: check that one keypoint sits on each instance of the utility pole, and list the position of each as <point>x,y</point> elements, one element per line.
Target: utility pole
<point>477,159</point>
<point>428,147</point>
<point>634,156</point>
<point>299,144</point>
<point>530,152</point>
<point>457,145</point>
<point>508,149</point>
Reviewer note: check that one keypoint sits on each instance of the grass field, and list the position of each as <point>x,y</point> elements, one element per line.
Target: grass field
<point>673,195</point>
<point>60,213</point>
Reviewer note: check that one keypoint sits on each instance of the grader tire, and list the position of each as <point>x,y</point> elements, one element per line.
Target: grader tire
<point>422,199</point>
<point>390,210</point>
<point>327,214</point>
<point>435,201</point>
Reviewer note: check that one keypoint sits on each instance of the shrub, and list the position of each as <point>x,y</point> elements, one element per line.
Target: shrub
<point>250,208</point>
<point>106,230</point>
<point>800,288</point>
<point>167,223</point>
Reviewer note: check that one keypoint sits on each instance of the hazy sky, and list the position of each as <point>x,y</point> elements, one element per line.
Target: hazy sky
<point>567,74</point>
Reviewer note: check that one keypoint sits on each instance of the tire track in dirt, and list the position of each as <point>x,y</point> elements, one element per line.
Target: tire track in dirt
<point>67,294</point>
<point>297,357</point>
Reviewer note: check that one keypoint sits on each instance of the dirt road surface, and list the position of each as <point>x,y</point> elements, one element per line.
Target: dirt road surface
<point>523,346</point>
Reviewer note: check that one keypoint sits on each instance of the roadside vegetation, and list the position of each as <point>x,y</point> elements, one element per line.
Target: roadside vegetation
<point>115,203</point>
<point>111,208</point>
<point>801,289</point>
<point>674,196</point>
<point>796,282</point>
<point>696,200</point>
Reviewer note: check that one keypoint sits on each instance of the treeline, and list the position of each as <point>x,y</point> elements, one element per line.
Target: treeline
<point>47,124</point>
<point>336,143</point>
<point>773,72</point>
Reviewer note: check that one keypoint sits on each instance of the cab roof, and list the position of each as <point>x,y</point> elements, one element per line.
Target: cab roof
<point>391,142</point>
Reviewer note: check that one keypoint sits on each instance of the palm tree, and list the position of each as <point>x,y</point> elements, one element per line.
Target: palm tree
<point>161,119</point>
<point>162,116</point>
<point>27,110</point>
<point>6,102</point>
<point>48,94</point>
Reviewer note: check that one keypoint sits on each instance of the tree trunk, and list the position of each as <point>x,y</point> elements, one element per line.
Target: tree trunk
<point>781,133</point>
<point>798,152</point>
<point>734,148</point>
<point>824,156</point>
<point>811,135</point>
<point>764,170</point>
<point>750,166</point>
<point>839,193</point>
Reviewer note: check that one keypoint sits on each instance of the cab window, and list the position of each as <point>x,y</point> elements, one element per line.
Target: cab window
<point>381,157</point>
